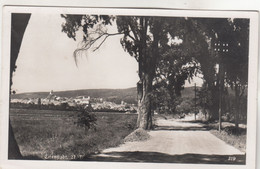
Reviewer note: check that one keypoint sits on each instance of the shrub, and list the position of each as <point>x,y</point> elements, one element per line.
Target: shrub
<point>85,119</point>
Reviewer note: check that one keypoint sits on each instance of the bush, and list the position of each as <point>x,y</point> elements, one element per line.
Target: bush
<point>186,106</point>
<point>85,119</point>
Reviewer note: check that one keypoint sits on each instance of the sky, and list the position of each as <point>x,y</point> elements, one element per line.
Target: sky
<point>46,62</point>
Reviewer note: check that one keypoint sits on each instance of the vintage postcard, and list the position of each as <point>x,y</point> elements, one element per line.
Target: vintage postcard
<point>128,88</point>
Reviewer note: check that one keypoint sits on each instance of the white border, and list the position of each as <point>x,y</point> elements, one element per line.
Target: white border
<point>252,95</point>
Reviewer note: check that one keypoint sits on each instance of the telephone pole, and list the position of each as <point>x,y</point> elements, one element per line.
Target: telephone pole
<point>221,86</point>
<point>221,50</point>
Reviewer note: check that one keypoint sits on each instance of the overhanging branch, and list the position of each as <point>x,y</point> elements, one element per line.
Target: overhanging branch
<point>87,44</point>
<point>106,36</point>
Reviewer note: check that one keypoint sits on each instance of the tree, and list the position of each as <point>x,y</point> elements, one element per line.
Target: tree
<point>207,58</point>
<point>205,100</point>
<point>19,24</point>
<point>144,38</point>
<point>231,44</point>
<point>227,61</point>
<point>237,63</point>
<point>222,40</point>
<point>197,35</point>
<point>186,106</point>
<point>175,66</point>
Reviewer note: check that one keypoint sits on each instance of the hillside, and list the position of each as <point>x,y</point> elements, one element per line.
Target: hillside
<point>128,95</point>
<point>114,95</point>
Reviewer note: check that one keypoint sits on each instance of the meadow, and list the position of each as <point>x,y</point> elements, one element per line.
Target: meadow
<point>52,134</point>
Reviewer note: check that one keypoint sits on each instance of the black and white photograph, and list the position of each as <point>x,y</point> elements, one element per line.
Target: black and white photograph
<point>131,86</point>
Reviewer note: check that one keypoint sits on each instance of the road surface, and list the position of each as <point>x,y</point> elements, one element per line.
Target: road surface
<point>177,141</point>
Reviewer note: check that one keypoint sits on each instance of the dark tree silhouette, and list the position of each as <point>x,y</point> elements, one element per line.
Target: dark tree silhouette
<point>228,46</point>
<point>18,26</point>
<point>237,63</point>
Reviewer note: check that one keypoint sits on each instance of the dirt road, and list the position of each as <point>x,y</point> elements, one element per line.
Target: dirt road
<point>176,141</point>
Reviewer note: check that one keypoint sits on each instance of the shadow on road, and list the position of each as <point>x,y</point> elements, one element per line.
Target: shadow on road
<point>156,157</point>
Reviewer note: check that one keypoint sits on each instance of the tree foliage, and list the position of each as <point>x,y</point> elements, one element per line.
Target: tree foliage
<point>144,38</point>
<point>171,50</point>
<point>228,64</point>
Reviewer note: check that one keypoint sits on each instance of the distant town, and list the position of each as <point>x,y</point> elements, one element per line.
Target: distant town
<point>95,104</point>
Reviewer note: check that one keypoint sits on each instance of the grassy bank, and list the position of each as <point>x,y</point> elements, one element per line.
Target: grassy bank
<point>238,141</point>
<point>230,135</point>
<point>50,134</point>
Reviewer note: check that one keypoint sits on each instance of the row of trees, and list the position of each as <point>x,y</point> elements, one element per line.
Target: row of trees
<point>228,67</point>
<point>171,50</point>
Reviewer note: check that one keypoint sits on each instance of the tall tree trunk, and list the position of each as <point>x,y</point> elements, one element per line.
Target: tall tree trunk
<point>213,108</point>
<point>148,57</point>
<point>19,24</point>
<point>144,103</point>
<point>221,89</point>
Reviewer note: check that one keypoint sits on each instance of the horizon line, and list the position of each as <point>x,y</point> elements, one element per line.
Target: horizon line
<point>75,90</point>
<point>83,89</point>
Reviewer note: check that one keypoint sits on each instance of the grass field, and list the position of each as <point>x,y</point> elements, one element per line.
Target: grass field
<point>236,140</point>
<point>229,134</point>
<point>49,134</point>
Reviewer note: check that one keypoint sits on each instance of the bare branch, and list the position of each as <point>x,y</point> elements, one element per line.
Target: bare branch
<point>87,44</point>
<point>100,44</point>
<point>107,35</point>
